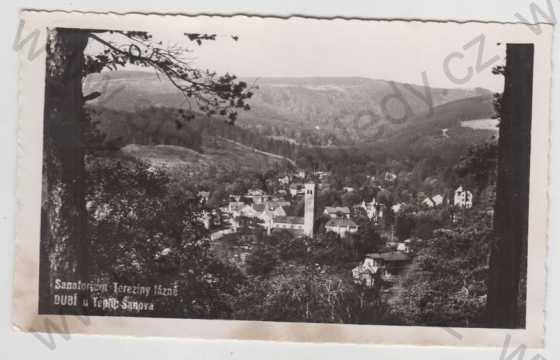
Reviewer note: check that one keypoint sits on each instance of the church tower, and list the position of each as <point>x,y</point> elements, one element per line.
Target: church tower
<point>309,215</point>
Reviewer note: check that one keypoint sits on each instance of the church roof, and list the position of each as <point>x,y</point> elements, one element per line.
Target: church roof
<point>270,206</point>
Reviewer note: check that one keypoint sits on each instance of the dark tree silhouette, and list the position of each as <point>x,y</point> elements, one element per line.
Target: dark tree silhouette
<point>512,191</point>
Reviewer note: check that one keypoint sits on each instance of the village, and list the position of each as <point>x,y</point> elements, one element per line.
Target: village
<point>278,211</point>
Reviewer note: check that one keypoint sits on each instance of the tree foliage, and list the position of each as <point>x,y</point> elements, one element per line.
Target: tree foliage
<point>446,283</point>
<point>478,167</point>
<point>133,244</point>
<point>309,295</point>
<point>262,261</point>
<point>209,92</point>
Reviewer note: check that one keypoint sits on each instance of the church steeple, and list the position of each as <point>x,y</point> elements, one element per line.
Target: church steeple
<point>309,214</point>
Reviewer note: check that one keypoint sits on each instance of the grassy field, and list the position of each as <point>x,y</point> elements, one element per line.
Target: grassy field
<point>217,155</point>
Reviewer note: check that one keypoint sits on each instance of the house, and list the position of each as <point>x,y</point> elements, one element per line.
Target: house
<point>257,196</point>
<point>403,247</point>
<point>337,211</point>
<point>463,198</point>
<point>203,196</point>
<point>206,219</point>
<point>364,274</point>
<point>387,266</point>
<point>373,209</point>
<point>433,201</point>
<point>297,189</point>
<point>341,226</point>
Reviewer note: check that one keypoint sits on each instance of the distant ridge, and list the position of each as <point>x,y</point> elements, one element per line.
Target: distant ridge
<point>312,111</point>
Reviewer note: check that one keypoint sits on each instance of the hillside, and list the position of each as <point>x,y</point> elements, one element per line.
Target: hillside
<point>218,156</point>
<point>166,126</point>
<point>306,111</point>
<point>446,128</point>
<point>317,122</point>
<point>443,136</point>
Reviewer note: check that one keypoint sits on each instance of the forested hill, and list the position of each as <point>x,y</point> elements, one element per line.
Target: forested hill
<point>445,131</point>
<point>166,126</point>
<point>308,111</point>
<point>304,119</point>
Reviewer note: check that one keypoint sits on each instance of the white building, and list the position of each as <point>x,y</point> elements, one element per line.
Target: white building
<point>433,201</point>
<point>205,218</point>
<point>364,273</point>
<point>373,209</point>
<point>463,198</point>
<point>404,246</point>
<point>341,226</point>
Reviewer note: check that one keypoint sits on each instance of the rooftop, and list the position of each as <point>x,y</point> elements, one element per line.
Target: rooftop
<point>288,220</point>
<point>341,223</point>
<point>337,209</point>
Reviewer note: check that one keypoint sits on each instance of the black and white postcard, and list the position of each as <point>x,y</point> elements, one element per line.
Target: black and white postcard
<point>289,179</point>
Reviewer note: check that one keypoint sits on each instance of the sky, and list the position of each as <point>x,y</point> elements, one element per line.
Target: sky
<point>391,50</point>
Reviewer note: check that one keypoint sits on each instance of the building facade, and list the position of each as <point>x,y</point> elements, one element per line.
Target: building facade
<point>341,226</point>
<point>463,198</point>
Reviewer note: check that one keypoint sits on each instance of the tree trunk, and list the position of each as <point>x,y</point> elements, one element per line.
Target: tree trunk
<point>63,235</point>
<point>512,189</point>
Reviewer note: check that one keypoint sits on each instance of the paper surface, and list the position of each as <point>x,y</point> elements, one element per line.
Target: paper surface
<point>356,38</point>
